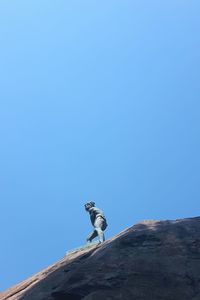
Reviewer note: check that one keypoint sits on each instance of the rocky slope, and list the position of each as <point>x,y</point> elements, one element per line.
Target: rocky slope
<point>153,260</point>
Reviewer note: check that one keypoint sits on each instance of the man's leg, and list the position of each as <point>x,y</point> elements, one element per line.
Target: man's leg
<point>99,226</point>
<point>100,234</point>
<point>92,236</point>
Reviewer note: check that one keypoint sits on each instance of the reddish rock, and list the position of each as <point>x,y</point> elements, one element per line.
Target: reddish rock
<point>153,260</point>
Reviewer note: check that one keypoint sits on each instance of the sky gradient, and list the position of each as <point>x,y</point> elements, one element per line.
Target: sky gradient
<point>98,101</point>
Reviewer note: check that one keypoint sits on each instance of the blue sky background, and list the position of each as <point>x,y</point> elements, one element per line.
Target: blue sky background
<point>99,100</point>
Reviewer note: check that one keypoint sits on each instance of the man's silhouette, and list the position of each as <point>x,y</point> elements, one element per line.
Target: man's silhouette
<point>98,220</point>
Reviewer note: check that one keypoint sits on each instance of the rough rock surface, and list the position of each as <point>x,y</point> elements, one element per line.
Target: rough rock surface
<point>153,260</point>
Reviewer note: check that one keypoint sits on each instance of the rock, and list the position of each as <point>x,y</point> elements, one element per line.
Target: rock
<point>153,260</point>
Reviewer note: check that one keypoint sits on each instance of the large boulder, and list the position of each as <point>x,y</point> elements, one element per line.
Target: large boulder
<point>153,260</point>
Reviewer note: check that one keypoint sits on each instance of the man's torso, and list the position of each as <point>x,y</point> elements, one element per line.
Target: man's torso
<point>95,213</point>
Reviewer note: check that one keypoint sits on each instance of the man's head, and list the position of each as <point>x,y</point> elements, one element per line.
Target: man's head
<point>89,205</point>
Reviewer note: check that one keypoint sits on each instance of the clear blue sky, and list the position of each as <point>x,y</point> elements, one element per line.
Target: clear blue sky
<point>99,100</point>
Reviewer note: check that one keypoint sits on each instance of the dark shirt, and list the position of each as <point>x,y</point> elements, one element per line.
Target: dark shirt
<point>95,213</point>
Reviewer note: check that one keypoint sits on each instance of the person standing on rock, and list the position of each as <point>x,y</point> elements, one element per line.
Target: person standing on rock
<point>98,221</point>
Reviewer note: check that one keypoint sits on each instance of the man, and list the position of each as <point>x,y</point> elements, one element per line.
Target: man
<point>98,220</point>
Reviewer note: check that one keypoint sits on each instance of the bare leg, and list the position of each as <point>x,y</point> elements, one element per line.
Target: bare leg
<point>100,225</point>
<point>100,234</point>
<point>92,236</point>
